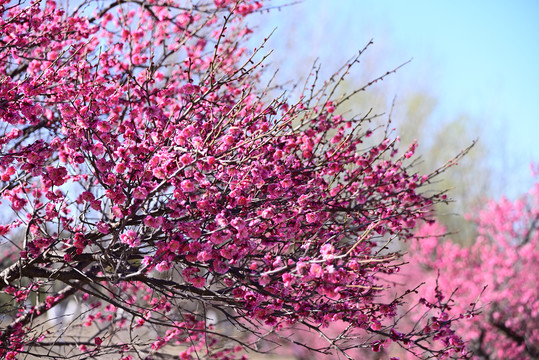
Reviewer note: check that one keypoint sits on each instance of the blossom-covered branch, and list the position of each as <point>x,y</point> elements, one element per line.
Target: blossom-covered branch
<point>150,184</point>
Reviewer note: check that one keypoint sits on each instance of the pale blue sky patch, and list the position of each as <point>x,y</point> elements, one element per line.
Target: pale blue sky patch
<point>479,58</point>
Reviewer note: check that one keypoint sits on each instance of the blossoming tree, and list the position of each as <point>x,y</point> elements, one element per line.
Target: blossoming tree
<point>505,259</point>
<point>149,183</point>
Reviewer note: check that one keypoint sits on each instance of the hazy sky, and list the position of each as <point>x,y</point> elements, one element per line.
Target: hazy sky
<point>479,58</point>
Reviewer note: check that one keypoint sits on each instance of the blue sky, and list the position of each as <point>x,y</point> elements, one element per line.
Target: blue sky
<point>479,58</point>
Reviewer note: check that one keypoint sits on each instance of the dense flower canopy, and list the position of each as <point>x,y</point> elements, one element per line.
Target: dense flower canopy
<point>149,180</point>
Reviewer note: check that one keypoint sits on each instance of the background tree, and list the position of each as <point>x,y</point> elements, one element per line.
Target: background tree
<point>470,183</point>
<point>504,258</point>
<point>145,179</point>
